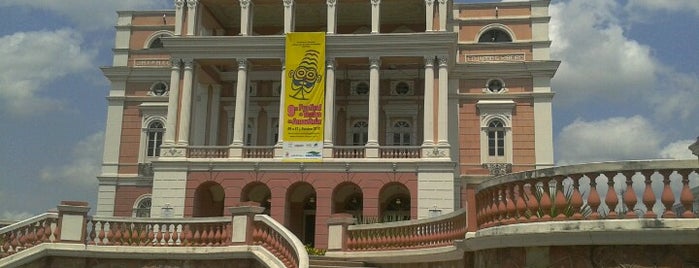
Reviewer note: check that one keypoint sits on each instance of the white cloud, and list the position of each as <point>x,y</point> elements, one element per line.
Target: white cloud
<point>678,150</point>
<point>84,165</point>
<point>664,5</point>
<point>615,138</point>
<point>597,59</point>
<point>90,15</point>
<point>32,61</point>
<point>15,215</point>
<point>678,98</point>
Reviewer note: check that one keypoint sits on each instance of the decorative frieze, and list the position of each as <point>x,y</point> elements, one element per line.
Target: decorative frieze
<point>152,63</point>
<point>497,169</point>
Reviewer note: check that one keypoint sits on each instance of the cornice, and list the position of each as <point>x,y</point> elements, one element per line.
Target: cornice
<point>504,4</point>
<point>469,97</point>
<point>145,27</point>
<point>505,69</point>
<point>147,12</point>
<point>504,45</point>
<point>502,20</point>
<point>136,74</point>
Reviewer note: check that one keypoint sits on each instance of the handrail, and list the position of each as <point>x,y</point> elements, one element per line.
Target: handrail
<point>581,192</point>
<point>425,233</point>
<point>279,241</point>
<point>214,231</point>
<point>28,233</point>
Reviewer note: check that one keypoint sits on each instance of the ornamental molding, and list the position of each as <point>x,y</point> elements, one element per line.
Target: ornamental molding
<point>330,63</point>
<point>331,3</point>
<point>374,62</point>
<point>192,4</point>
<point>242,63</point>
<point>443,61</point>
<point>188,63</point>
<point>429,61</point>
<point>498,169</point>
<point>435,153</point>
<point>245,3</point>
<point>175,63</point>
<point>172,152</point>
<point>288,3</point>
<point>429,2</point>
<point>179,3</point>
<point>375,2</point>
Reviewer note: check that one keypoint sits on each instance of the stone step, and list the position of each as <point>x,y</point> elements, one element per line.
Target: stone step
<point>326,262</point>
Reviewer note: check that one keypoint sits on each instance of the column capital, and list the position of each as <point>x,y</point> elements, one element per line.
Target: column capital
<point>429,2</point>
<point>288,3</point>
<point>443,2</point>
<point>242,63</point>
<point>188,63</point>
<point>192,3</point>
<point>331,3</point>
<point>179,4</point>
<point>375,2</point>
<point>245,3</point>
<point>330,63</point>
<point>175,63</point>
<point>374,62</point>
<point>443,61</point>
<point>429,60</point>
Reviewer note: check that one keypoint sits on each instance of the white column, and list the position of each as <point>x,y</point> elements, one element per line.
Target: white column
<point>429,15</point>
<point>289,17</point>
<point>282,108</point>
<point>373,135</point>
<point>173,102</point>
<point>332,17</point>
<point>375,16</point>
<point>191,16</point>
<point>245,17</point>
<point>214,108</point>
<point>428,110</point>
<point>329,135</point>
<point>443,15</point>
<point>543,126</point>
<point>240,103</point>
<point>179,16</point>
<point>442,108</point>
<point>186,105</point>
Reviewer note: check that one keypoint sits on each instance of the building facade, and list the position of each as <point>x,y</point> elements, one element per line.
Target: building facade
<point>421,97</point>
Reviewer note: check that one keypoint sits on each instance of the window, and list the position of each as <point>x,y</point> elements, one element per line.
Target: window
<point>142,208</point>
<point>402,88</point>
<point>495,86</point>
<point>154,134</point>
<point>401,133</point>
<point>158,89</point>
<point>360,88</point>
<point>496,138</point>
<point>360,131</point>
<point>156,43</point>
<point>495,36</point>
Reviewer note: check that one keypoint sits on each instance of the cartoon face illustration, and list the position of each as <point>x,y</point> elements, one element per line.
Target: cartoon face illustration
<point>305,77</point>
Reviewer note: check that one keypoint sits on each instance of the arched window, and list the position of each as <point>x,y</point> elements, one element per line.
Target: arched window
<point>142,208</point>
<point>156,43</point>
<point>401,133</point>
<point>495,36</point>
<point>155,138</point>
<point>496,138</point>
<point>360,131</point>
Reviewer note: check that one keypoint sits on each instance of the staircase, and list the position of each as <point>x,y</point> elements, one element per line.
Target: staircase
<point>327,262</point>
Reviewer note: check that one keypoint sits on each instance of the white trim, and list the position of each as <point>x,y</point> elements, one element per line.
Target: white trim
<point>149,114</point>
<point>498,26</point>
<point>153,36</point>
<point>488,111</point>
<point>138,201</point>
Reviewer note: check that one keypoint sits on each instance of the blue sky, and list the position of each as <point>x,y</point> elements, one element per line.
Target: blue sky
<point>628,88</point>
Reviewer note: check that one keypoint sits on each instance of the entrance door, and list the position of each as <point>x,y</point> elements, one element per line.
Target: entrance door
<point>309,226</point>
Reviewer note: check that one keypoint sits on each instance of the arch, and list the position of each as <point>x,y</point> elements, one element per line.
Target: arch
<point>395,202</point>
<point>502,34</point>
<point>142,206</point>
<point>208,200</point>
<point>257,192</point>
<point>301,211</point>
<point>153,41</point>
<point>347,197</point>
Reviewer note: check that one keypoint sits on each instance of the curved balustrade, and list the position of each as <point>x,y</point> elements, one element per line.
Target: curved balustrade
<point>28,233</point>
<point>258,152</point>
<point>279,241</point>
<point>190,232</point>
<point>634,189</point>
<point>207,151</point>
<point>433,232</point>
<point>400,151</point>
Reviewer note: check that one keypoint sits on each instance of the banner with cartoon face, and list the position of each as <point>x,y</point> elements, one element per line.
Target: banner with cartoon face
<point>304,96</point>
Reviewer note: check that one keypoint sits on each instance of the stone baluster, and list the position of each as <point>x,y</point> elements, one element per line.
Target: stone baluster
<point>560,202</point>
<point>686,197</point>
<point>593,199</point>
<point>648,195</point>
<point>509,205</point>
<point>521,203</point>
<point>611,199</point>
<point>629,196</point>
<point>545,202</point>
<point>532,202</point>
<point>667,197</point>
<point>576,201</point>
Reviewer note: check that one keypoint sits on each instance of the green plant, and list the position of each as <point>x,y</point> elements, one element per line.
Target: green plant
<point>314,251</point>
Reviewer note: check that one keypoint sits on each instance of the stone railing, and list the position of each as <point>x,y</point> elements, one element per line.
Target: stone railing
<point>614,190</point>
<point>28,233</point>
<point>434,232</point>
<point>258,151</point>
<point>280,241</point>
<point>400,151</point>
<point>348,151</point>
<point>159,232</point>
<point>207,151</point>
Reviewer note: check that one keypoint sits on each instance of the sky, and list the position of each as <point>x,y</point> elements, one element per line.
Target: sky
<point>627,88</point>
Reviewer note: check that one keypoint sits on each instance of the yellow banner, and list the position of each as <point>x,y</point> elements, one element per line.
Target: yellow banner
<point>304,95</point>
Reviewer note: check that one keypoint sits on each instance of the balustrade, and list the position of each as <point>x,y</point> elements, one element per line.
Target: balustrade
<point>158,232</point>
<point>348,151</point>
<point>28,233</point>
<point>574,193</point>
<point>434,232</point>
<point>207,151</point>
<point>399,151</point>
<point>286,247</point>
<point>258,152</point>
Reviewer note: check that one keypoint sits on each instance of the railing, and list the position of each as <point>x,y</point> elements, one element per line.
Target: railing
<point>28,233</point>
<point>635,189</point>
<point>348,151</point>
<point>278,240</point>
<point>207,151</point>
<point>400,151</point>
<point>159,232</point>
<point>428,233</point>
<point>258,152</point>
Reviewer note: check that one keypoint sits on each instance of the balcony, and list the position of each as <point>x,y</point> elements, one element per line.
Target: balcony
<point>343,152</point>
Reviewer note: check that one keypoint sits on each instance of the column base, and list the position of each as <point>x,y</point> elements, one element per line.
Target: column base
<point>235,151</point>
